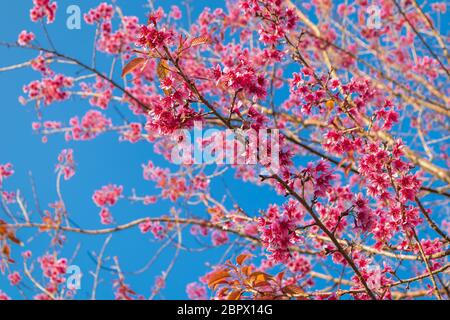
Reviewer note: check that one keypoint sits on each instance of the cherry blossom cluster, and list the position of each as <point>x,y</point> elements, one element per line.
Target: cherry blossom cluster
<point>25,38</point>
<point>219,238</point>
<point>427,66</point>
<point>101,93</point>
<point>376,277</point>
<point>123,291</point>
<point>4,296</point>
<point>54,270</point>
<point>92,124</point>
<point>242,76</point>
<point>278,229</point>
<point>154,227</point>
<point>389,180</point>
<point>320,175</point>
<point>196,291</point>
<point>363,155</point>
<point>133,133</point>
<point>106,197</point>
<point>49,90</point>
<point>110,41</point>
<point>14,278</point>
<point>42,9</point>
<point>175,12</point>
<point>172,186</point>
<point>66,164</point>
<point>299,265</point>
<point>40,64</point>
<point>103,12</point>
<point>167,116</point>
<point>439,7</point>
<point>153,38</point>
<point>6,170</point>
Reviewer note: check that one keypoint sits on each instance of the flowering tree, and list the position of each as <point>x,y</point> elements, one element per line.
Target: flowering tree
<point>353,97</point>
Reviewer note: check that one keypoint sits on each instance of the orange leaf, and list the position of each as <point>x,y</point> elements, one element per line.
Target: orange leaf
<point>280,276</point>
<point>47,224</point>
<point>217,284</point>
<point>13,238</point>
<point>260,274</point>
<point>218,277</point>
<point>234,295</point>
<point>241,258</point>
<point>162,70</point>
<point>329,104</point>
<point>293,290</point>
<point>246,270</point>
<point>257,277</point>
<point>133,64</point>
<point>149,54</point>
<point>261,284</point>
<point>139,51</point>
<point>5,232</point>
<point>6,250</point>
<point>3,229</point>
<point>200,40</point>
<point>223,292</point>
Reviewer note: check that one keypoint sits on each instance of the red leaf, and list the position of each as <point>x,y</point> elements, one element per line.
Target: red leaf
<point>133,64</point>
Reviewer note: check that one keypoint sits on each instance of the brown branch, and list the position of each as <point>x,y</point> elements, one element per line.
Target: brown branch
<point>193,87</point>
<point>421,38</point>
<point>99,265</point>
<point>328,233</point>
<point>84,66</point>
<point>427,264</point>
<point>432,224</point>
<point>433,30</point>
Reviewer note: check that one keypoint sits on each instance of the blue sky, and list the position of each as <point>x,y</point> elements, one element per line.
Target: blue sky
<point>100,161</point>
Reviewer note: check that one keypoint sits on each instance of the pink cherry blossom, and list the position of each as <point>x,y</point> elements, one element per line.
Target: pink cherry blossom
<point>108,195</point>
<point>196,291</point>
<point>66,164</point>
<point>25,38</point>
<point>175,13</point>
<point>14,278</point>
<point>155,227</point>
<point>6,170</point>
<point>49,90</point>
<point>92,124</point>
<point>4,296</point>
<point>43,8</point>
<point>346,198</point>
